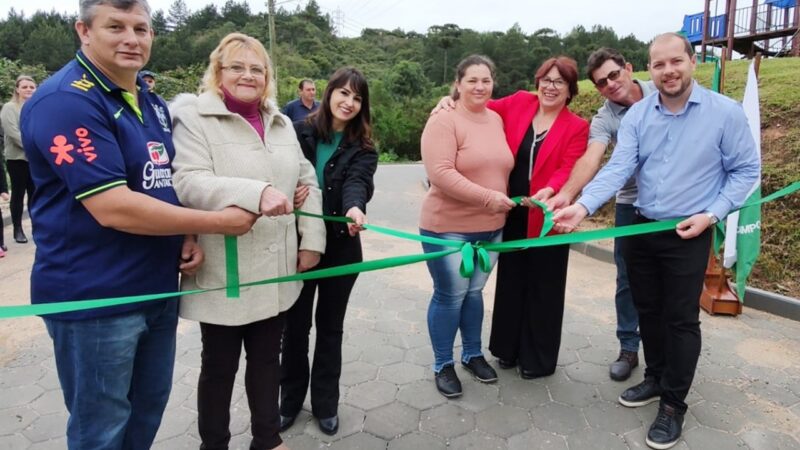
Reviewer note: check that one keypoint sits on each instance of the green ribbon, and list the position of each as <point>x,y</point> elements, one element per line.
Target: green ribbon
<point>231,267</point>
<point>467,250</point>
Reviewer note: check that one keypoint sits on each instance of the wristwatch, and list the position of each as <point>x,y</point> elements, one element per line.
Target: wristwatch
<point>711,217</point>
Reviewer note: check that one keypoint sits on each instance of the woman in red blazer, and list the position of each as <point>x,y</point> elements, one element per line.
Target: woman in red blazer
<point>546,139</point>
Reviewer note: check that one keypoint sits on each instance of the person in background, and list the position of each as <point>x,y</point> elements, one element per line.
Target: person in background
<point>107,223</point>
<point>611,76</point>
<point>306,103</point>
<point>3,195</point>
<point>149,78</point>
<point>233,147</point>
<point>337,139</point>
<point>693,156</point>
<point>16,161</point>
<point>468,162</point>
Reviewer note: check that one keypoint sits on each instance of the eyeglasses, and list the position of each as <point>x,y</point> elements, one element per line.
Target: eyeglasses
<point>612,76</point>
<point>238,69</point>
<point>557,83</point>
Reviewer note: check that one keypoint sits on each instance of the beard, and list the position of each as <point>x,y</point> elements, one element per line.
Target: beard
<point>684,86</point>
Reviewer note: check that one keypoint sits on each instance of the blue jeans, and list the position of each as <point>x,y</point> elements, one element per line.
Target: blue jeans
<point>116,375</point>
<point>627,317</point>
<point>457,302</point>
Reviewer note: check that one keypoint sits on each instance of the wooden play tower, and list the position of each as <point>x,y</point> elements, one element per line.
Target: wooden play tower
<point>769,27</point>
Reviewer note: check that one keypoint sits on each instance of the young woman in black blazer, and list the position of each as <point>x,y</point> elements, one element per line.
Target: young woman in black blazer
<point>337,140</point>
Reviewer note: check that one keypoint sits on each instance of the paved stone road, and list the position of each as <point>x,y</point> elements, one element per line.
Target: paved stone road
<point>746,393</point>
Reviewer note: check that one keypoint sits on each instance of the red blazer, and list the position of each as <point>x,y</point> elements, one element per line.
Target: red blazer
<point>565,143</point>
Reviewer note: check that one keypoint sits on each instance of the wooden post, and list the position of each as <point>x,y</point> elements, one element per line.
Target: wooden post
<point>796,25</point>
<point>722,59</point>
<point>731,25</point>
<point>757,63</point>
<point>706,20</point>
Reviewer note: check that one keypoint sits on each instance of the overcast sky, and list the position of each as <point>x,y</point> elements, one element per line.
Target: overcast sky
<point>644,19</point>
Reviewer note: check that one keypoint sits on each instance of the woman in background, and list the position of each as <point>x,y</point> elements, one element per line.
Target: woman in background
<point>16,161</point>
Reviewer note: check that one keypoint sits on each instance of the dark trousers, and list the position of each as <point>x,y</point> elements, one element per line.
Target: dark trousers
<point>333,294</point>
<point>222,346</point>
<point>21,183</point>
<point>529,307</point>
<point>666,277</point>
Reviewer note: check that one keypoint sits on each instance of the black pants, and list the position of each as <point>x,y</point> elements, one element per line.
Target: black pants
<point>329,320</point>
<point>222,346</point>
<point>666,277</point>
<point>529,307</point>
<point>21,183</point>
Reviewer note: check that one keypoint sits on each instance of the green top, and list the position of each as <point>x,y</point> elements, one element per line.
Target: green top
<point>324,152</point>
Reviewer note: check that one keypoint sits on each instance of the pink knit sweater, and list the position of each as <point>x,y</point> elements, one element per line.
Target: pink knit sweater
<point>466,157</point>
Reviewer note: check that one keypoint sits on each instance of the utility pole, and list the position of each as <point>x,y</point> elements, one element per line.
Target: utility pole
<point>271,12</point>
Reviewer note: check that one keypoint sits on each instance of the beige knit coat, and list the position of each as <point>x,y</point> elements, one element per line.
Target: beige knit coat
<point>221,161</point>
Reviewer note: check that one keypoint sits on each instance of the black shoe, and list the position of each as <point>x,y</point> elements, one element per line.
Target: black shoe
<point>506,363</point>
<point>620,370</point>
<point>646,392</point>
<point>19,236</point>
<point>480,369</point>
<point>447,382</point>
<point>287,422</point>
<point>330,425</point>
<point>666,429</point>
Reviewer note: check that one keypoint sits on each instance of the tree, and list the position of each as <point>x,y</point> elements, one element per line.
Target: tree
<point>445,36</point>
<point>50,45</point>
<point>178,14</point>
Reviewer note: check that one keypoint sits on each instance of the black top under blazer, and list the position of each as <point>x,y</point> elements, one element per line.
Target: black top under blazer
<point>348,176</point>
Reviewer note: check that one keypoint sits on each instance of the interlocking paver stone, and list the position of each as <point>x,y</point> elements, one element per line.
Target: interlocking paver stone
<point>611,417</point>
<point>476,440</point>
<point>371,394</point>
<point>758,439</point>
<point>13,442</point>
<point>477,396</point>
<point>702,437</point>
<point>357,372</point>
<point>719,416</point>
<point>401,373</point>
<point>586,372</point>
<point>503,421</point>
<point>524,394</point>
<point>16,419</point>
<point>447,421</point>
<point>351,421</point>
<point>392,420</point>
<point>534,439</point>
<point>360,441</point>
<point>594,439</point>
<point>304,442</point>
<point>558,418</point>
<point>46,427</point>
<point>417,441</point>
<point>382,355</point>
<point>573,393</point>
<point>721,393</point>
<point>420,395</point>
<point>19,395</point>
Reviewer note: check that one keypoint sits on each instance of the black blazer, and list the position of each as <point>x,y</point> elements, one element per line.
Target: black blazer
<point>348,176</point>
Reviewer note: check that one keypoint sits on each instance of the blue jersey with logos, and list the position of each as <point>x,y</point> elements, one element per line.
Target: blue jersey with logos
<point>84,135</point>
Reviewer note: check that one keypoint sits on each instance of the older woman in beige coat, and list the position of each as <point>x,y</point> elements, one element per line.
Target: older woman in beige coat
<point>234,147</point>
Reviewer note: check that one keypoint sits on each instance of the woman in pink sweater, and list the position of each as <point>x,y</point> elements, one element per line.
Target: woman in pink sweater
<point>468,162</point>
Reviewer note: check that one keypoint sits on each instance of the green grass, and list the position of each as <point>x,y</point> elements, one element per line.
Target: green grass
<point>779,96</point>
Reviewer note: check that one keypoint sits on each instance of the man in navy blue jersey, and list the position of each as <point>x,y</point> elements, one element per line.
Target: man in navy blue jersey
<point>107,223</point>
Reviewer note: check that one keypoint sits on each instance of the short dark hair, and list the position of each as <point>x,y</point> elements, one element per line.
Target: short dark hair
<point>86,11</point>
<point>303,82</point>
<point>359,128</point>
<point>599,57</point>
<point>466,63</point>
<point>567,68</point>
<point>687,46</point>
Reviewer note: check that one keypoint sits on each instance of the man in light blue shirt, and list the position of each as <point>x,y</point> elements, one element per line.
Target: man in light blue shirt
<point>693,156</point>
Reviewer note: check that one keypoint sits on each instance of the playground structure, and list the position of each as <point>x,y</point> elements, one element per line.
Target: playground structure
<point>769,27</point>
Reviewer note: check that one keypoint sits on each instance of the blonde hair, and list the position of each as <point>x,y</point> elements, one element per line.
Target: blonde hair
<point>21,78</point>
<point>231,44</point>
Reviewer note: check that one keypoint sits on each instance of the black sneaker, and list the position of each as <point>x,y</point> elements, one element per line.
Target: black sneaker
<point>447,382</point>
<point>480,369</point>
<point>646,392</point>
<point>666,429</point>
<point>620,370</point>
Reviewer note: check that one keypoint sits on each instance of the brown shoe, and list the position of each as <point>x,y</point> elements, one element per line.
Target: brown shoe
<point>620,370</point>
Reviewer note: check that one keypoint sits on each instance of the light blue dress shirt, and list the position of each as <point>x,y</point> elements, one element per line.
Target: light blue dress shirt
<point>702,158</point>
